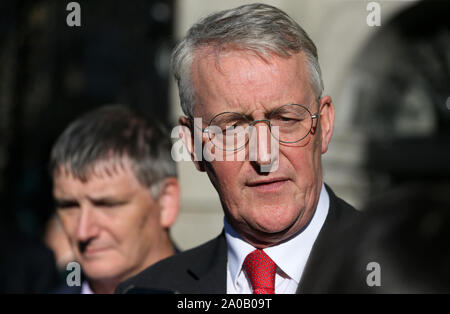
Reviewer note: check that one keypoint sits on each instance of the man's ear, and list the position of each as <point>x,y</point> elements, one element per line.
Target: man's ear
<point>187,136</point>
<point>169,201</point>
<point>326,112</point>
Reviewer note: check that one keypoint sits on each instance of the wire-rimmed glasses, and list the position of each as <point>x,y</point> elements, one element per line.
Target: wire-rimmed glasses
<point>231,131</point>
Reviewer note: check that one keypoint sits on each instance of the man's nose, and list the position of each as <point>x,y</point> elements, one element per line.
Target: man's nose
<point>263,140</point>
<point>87,227</point>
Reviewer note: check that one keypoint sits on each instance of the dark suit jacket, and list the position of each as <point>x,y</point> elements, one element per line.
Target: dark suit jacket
<point>203,270</point>
<point>65,289</point>
<point>26,264</point>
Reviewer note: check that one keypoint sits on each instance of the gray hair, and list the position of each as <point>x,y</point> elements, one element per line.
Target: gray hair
<point>112,133</point>
<point>260,28</point>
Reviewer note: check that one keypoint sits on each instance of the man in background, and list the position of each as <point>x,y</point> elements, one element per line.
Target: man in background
<point>116,194</point>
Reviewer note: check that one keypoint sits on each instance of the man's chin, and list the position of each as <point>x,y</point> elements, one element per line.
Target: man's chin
<point>102,271</point>
<point>101,264</point>
<point>275,219</point>
<point>269,233</point>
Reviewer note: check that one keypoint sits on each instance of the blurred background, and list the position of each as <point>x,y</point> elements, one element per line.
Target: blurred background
<point>390,85</point>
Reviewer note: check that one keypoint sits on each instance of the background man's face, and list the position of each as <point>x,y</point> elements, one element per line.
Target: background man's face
<point>264,207</point>
<point>112,221</point>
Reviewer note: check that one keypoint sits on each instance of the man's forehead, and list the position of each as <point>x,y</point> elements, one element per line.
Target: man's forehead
<point>100,171</point>
<point>216,59</point>
<point>270,82</point>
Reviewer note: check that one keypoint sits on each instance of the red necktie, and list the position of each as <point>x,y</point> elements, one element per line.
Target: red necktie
<point>261,272</point>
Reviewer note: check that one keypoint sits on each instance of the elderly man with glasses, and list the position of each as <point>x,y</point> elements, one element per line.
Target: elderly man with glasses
<point>251,89</point>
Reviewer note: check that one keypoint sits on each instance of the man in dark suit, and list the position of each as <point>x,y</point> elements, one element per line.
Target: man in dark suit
<point>251,89</point>
<point>116,195</point>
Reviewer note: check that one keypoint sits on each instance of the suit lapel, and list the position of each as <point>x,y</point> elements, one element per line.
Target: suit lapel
<point>340,216</point>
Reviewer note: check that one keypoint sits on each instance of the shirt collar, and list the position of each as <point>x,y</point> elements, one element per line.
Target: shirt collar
<point>290,256</point>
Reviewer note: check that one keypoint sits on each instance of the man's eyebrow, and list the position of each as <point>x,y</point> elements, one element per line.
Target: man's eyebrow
<point>61,202</point>
<point>267,113</point>
<point>107,200</point>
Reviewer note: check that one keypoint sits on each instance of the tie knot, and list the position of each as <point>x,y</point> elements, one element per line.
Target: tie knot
<point>261,271</point>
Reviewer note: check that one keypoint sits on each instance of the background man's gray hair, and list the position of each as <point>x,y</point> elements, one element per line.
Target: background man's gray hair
<point>260,28</point>
<point>110,134</point>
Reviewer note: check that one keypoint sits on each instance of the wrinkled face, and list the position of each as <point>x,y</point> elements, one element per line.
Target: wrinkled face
<point>112,222</point>
<point>269,207</point>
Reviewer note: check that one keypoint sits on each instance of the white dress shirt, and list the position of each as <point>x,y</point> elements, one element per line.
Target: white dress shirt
<point>290,256</point>
<point>85,288</point>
